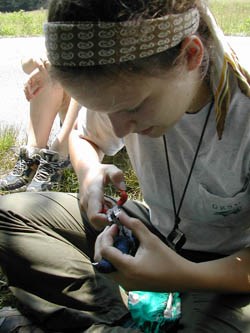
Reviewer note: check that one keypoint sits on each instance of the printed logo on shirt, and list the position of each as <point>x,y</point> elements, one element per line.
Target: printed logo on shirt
<point>226,210</point>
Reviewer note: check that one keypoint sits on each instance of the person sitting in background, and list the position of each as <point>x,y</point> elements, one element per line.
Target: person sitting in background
<point>39,167</point>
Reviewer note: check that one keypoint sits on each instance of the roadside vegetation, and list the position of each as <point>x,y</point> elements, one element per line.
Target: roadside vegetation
<point>21,23</point>
<point>232,16</point>
<point>8,140</point>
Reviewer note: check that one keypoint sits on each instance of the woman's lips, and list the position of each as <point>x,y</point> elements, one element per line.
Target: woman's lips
<point>147,131</point>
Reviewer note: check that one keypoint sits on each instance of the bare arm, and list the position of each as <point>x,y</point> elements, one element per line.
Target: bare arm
<point>228,274</point>
<point>61,142</point>
<point>92,175</point>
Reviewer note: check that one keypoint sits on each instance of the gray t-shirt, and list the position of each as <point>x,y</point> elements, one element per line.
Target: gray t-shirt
<point>215,215</point>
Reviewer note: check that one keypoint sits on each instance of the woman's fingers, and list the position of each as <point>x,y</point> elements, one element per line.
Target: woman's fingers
<point>104,243</point>
<point>104,240</point>
<point>115,176</point>
<point>92,186</point>
<point>139,230</point>
<point>36,81</point>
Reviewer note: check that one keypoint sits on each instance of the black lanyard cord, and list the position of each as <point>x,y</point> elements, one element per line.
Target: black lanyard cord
<point>177,211</point>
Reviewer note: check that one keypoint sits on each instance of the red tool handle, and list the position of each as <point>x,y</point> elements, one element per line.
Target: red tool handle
<point>123,198</point>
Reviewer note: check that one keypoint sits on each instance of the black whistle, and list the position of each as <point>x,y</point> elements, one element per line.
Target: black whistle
<point>176,239</point>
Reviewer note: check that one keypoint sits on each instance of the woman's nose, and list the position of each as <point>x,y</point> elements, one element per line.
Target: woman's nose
<point>122,124</point>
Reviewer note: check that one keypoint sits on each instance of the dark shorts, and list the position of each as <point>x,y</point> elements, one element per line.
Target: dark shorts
<point>46,250</point>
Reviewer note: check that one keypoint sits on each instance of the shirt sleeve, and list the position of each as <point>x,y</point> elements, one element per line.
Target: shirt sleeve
<point>96,127</point>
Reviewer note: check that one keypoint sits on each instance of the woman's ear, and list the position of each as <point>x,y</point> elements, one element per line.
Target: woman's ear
<point>193,50</point>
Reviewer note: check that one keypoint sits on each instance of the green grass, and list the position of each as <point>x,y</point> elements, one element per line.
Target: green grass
<point>8,137</point>
<point>8,158</point>
<point>8,140</point>
<point>22,23</point>
<point>121,160</point>
<point>232,15</point>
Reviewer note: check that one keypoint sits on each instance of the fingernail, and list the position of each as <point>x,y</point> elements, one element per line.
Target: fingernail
<point>122,186</point>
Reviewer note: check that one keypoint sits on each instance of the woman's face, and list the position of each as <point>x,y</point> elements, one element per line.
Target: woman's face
<point>140,104</point>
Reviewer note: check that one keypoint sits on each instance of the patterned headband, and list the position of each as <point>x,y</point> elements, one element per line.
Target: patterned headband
<point>80,44</point>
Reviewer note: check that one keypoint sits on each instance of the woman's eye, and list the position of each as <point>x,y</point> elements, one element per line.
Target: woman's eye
<point>134,110</point>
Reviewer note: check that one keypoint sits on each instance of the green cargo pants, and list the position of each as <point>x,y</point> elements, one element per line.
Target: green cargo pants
<point>46,249</point>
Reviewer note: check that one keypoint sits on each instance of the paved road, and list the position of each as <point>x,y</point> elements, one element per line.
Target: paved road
<point>13,106</point>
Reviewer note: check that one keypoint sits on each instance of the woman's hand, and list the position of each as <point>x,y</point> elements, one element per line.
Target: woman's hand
<point>91,191</point>
<point>154,267</point>
<point>92,176</point>
<point>36,81</point>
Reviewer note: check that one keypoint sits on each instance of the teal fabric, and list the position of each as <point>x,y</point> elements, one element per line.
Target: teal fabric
<point>152,311</point>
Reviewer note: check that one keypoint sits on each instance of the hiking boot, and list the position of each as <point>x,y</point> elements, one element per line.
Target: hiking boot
<point>23,172</point>
<point>49,173</point>
<point>12,321</point>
